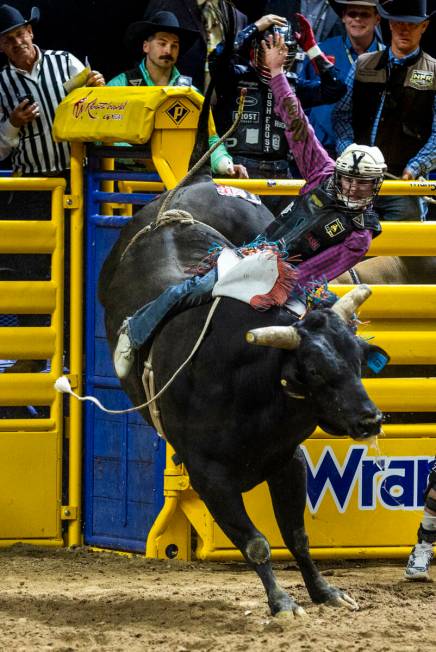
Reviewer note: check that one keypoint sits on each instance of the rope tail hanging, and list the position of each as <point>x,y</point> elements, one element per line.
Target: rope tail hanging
<point>191,173</point>
<point>62,384</point>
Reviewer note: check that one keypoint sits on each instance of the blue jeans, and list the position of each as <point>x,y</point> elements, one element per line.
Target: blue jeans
<point>192,292</point>
<point>400,208</point>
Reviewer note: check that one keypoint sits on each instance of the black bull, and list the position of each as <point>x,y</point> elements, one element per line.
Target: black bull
<point>237,413</point>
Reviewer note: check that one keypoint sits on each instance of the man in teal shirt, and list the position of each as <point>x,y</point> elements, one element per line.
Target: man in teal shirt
<point>162,40</point>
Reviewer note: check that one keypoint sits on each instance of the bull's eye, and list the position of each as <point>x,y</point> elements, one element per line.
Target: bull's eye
<point>313,376</point>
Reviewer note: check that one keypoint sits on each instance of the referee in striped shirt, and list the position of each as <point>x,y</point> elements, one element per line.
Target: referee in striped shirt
<point>31,88</point>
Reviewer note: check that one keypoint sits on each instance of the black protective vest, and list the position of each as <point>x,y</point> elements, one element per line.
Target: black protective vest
<point>314,222</point>
<point>136,78</point>
<point>260,134</point>
<point>407,116</point>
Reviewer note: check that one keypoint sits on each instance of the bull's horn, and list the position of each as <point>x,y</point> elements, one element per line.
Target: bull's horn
<point>351,301</point>
<point>279,337</point>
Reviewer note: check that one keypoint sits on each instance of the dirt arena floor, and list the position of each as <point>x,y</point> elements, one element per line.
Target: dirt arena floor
<point>82,600</point>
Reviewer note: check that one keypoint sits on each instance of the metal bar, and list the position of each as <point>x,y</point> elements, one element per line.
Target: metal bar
<point>15,297</point>
<point>27,389</point>
<point>282,554</point>
<point>124,175</point>
<point>24,425</point>
<point>403,394</point>
<point>57,324</point>
<point>27,236</point>
<point>107,164</point>
<point>109,221</point>
<point>399,301</point>
<point>27,343</point>
<point>292,186</point>
<point>55,543</point>
<point>406,347</point>
<point>122,197</point>
<point>392,431</point>
<point>31,183</point>
<point>76,338</point>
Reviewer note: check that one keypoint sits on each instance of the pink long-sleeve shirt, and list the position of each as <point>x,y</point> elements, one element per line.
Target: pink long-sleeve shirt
<point>315,166</point>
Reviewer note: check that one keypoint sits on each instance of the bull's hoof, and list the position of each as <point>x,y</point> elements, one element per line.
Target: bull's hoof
<point>295,612</point>
<point>341,599</point>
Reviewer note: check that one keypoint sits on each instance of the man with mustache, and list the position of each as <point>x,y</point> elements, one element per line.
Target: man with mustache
<point>162,40</point>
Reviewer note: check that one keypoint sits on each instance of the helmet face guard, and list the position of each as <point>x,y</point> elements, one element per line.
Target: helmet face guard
<point>258,59</point>
<point>358,176</point>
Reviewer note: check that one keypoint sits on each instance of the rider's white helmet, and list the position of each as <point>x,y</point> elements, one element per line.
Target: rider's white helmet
<point>359,173</point>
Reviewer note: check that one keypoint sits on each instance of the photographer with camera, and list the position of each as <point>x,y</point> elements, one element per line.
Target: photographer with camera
<point>259,141</point>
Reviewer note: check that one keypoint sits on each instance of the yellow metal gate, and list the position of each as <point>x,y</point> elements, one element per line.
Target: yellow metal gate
<point>31,449</point>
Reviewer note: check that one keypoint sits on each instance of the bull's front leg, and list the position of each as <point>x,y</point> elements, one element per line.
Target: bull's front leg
<point>288,488</point>
<point>227,507</point>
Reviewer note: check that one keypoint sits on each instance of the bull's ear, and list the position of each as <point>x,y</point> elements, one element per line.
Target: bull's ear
<point>375,357</point>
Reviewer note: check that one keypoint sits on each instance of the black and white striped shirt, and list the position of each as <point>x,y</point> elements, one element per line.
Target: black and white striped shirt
<point>32,146</point>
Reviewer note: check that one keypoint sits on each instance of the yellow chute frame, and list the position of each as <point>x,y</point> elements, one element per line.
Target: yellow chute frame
<point>167,116</point>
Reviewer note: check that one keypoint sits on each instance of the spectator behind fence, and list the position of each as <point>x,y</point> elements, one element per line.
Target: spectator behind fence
<point>31,87</point>
<point>322,18</point>
<point>161,38</point>
<point>259,143</point>
<point>361,20</point>
<point>390,102</point>
<point>214,20</point>
<point>420,558</point>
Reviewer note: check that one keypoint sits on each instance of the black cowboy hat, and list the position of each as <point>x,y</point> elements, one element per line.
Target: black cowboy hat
<point>161,21</point>
<point>10,18</point>
<point>405,11</point>
<point>340,5</point>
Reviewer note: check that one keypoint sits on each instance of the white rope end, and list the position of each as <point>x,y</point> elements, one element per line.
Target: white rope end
<point>62,385</point>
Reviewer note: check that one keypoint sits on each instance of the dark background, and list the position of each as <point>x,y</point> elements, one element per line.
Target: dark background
<point>95,28</point>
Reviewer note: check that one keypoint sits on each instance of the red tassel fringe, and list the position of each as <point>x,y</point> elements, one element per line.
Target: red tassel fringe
<point>281,290</point>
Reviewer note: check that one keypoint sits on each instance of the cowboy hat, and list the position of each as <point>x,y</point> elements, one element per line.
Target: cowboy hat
<point>340,5</point>
<point>10,18</point>
<point>405,11</point>
<point>161,21</point>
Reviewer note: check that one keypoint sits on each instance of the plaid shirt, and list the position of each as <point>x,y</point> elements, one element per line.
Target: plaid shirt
<point>423,161</point>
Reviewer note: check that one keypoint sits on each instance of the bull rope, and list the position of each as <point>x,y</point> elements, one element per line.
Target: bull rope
<point>179,215</point>
<point>63,385</point>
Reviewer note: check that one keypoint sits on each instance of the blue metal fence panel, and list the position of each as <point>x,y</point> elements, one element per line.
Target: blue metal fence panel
<point>124,457</point>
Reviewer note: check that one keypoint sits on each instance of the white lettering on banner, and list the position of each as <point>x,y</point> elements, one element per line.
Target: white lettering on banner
<point>268,120</point>
<point>248,116</point>
<point>390,482</point>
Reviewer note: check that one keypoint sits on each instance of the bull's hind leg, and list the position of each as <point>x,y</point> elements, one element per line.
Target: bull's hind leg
<point>288,494</point>
<point>227,507</point>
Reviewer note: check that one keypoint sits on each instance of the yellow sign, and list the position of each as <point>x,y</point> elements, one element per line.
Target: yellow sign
<point>123,114</point>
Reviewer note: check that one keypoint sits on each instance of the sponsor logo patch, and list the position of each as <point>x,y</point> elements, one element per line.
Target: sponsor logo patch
<point>313,243</point>
<point>421,79</point>
<point>316,200</point>
<point>359,220</point>
<point>248,116</point>
<point>230,191</point>
<point>177,112</point>
<point>334,228</point>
